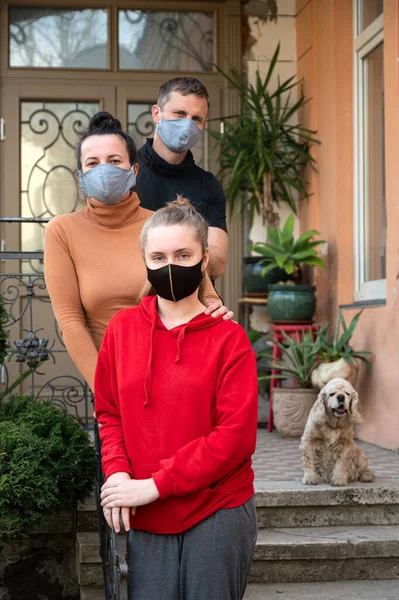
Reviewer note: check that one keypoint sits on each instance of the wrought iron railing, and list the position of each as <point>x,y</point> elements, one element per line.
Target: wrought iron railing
<point>23,294</point>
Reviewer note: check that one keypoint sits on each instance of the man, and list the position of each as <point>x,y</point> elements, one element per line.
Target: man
<point>167,166</point>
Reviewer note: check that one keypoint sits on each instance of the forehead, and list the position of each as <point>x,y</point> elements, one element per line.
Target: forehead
<point>190,103</point>
<point>98,145</point>
<point>167,238</point>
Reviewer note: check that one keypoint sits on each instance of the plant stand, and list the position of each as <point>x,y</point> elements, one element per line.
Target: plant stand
<point>293,330</point>
<point>244,307</point>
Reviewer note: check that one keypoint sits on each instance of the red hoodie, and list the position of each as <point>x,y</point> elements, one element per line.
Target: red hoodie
<point>178,405</point>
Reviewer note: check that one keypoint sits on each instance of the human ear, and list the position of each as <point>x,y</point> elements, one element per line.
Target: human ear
<point>156,114</point>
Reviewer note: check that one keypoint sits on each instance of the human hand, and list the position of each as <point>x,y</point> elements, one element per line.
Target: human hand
<point>132,493</point>
<point>113,515</point>
<point>215,308</point>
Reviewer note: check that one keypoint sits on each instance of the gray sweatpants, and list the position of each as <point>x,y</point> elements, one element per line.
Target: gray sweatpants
<point>210,561</point>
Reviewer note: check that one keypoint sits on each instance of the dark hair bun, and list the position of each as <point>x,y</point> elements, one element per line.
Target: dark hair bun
<point>104,120</point>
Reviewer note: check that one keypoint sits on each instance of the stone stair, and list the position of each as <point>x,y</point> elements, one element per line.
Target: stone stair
<point>306,535</point>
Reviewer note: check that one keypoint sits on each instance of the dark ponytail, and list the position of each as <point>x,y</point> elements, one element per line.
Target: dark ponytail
<point>103,123</point>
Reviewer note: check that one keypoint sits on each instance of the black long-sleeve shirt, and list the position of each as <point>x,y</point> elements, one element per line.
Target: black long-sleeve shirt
<point>159,182</point>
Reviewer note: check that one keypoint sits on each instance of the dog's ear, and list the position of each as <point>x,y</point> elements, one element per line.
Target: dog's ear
<point>354,409</point>
<point>320,407</point>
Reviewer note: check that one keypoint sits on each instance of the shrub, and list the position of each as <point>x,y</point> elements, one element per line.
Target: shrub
<point>47,462</point>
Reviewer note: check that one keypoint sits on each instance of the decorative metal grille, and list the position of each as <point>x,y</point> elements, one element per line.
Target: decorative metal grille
<point>166,40</point>
<point>49,132</point>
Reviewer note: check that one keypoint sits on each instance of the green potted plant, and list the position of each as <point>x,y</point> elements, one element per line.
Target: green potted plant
<point>292,405</point>
<point>263,154</point>
<point>294,303</point>
<point>338,358</point>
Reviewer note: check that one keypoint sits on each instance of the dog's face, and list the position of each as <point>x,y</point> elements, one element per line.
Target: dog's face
<point>340,400</point>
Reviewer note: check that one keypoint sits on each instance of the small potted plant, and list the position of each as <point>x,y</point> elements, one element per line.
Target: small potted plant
<point>337,357</point>
<point>293,303</point>
<point>292,405</point>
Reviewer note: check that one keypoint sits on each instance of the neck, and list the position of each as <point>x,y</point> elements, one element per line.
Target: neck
<point>173,314</point>
<point>171,157</point>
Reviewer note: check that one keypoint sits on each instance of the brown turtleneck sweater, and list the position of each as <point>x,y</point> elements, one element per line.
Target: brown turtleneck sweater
<point>93,267</point>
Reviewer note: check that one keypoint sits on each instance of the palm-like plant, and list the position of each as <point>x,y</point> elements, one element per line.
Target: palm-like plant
<point>284,252</point>
<point>299,358</point>
<point>339,347</point>
<point>262,151</point>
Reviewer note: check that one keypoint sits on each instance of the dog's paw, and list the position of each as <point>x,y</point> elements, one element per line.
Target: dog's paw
<point>339,481</point>
<point>367,476</point>
<point>310,478</point>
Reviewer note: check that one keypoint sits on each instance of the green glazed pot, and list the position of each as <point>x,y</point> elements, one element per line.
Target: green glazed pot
<point>254,282</point>
<point>292,303</point>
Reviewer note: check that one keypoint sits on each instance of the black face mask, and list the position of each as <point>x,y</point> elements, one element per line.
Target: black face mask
<point>174,282</point>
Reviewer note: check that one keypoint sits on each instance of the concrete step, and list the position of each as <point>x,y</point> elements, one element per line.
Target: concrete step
<point>92,593</point>
<point>309,554</point>
<point>349,590</point>
<point>89,569</point>
<point>292,504</point>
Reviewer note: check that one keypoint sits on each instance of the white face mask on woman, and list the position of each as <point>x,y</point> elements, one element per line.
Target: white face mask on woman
<point>107,183</point>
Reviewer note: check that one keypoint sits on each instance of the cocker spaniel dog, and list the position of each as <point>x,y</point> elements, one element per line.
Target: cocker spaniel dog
<point>329,454</point>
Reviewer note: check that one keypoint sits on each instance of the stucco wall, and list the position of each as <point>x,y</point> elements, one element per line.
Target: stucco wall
<point>325,62</point>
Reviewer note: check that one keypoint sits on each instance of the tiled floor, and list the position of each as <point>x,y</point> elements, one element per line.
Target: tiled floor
<point>278,459</point>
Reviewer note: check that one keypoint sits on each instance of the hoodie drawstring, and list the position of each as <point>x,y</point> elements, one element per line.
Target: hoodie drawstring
<point>180,340</point>
<point>148,373</point>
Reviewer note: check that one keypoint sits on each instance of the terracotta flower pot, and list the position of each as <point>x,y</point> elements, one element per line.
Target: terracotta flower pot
<point>291,408</point>
<point>324,372</point>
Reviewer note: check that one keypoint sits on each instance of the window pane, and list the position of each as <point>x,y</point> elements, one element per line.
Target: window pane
<point>369,10</point>
<point>374,166</point>
<point>58,38</point>
<point>49,132</point>
<point>141,126</point>
<point>173,41</point>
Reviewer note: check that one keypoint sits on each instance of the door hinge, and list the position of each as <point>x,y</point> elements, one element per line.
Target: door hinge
<point>2,129</point>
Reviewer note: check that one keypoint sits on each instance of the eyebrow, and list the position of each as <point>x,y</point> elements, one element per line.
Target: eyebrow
<point>179,250</point>
<point>96,157</point>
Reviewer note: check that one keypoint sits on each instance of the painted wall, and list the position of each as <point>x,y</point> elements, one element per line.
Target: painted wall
<point>325,62</point>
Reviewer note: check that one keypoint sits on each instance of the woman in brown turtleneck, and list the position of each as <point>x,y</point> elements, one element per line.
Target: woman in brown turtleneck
<point>92,259</point>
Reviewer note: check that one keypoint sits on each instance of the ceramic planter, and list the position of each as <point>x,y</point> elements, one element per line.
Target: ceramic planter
<point>254,282</point>
<point>291,408</point>
<point>292,303</point>
<point>324,372</point>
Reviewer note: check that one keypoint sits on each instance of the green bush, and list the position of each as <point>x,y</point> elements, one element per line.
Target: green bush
<point>47,462</point>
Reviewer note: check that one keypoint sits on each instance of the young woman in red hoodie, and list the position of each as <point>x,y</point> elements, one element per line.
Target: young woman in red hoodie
<point>176,398</point>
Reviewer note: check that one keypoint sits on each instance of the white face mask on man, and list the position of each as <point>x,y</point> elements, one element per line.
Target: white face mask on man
<point>107,183</point>
<point>178,135</point>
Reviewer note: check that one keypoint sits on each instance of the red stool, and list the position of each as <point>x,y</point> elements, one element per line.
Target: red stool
<point>293,330</point>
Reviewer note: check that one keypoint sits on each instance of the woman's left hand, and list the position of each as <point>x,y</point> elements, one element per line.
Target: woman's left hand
<point>128,492</point>
<point>215,308</point>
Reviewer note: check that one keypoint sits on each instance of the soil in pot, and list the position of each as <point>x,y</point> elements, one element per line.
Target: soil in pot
<point>292,303</point>
<point>291,408</point>
<point>254,282</point>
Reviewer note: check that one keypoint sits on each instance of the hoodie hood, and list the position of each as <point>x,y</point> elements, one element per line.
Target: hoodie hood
<point>150,317</point>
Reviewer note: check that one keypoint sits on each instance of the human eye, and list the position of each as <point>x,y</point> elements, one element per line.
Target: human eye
<point>91,164</point>
<point>157,258</point>
<point>115,161</point>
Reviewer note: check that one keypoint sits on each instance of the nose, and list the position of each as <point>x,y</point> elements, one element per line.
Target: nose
<point>341,398</point>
